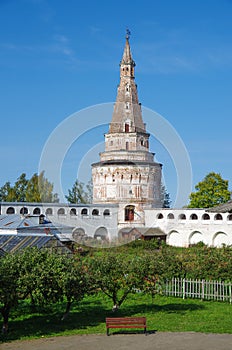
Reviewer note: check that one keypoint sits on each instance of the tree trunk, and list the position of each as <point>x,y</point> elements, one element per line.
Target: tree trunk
<point>115,307</point>
<point>5,311</point>
<point>68,307</point>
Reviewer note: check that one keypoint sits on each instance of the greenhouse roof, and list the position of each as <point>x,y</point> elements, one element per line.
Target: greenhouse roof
<point>18,232</point>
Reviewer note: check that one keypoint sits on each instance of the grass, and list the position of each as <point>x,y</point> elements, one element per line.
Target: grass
<point>164,314</point>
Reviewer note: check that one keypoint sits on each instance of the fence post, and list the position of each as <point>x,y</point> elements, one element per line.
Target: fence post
<point>183,288</point>
<point>230,290</point>
<point>203,289</point>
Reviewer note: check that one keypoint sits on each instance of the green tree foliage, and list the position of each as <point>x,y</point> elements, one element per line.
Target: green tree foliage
<point>80,193</point>
<point>7,193</point>
<point>10,291</point>
<point>47,278</point>
<point>37,189</point>
<point>117,277</point>
<point>212,191</point>
<point>43,276</point>
<point>74,281</point>
<point>20,188</point>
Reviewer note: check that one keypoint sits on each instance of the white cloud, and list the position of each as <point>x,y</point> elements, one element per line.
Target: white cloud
<point>58,44</point>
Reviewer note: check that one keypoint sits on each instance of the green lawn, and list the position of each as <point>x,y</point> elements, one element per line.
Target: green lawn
<point>165,314</point>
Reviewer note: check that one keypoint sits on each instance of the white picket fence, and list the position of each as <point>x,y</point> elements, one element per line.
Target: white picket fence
<point>200,289</point>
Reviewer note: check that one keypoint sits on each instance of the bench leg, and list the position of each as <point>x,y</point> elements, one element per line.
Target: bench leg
<point>107,332</point>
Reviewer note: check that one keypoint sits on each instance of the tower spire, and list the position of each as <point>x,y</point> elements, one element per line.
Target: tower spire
<point>128,33</point>
<point>127,174</point>
<point>127,56</point>
<point>127,110</point>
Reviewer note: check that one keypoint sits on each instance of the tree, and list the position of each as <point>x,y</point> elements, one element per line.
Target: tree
<point>165,198</point>
<point>16,193</point>
<point>78,194</point>
<point>36,189</point>
<point>74,281</point>
<point>117,277</point>
<point>212,191</point>
<point>20,188</point>
<point>10,291</point>
<point>49,278</point>
<point>39,189</point>
<point>7,193</point>
<point>43,276</point>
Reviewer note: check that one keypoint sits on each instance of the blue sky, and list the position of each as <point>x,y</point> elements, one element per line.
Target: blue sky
<point>58,57</point>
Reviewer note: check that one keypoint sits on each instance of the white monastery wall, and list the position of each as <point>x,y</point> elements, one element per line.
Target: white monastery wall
<point>183,227</point>
<point>189,226</point>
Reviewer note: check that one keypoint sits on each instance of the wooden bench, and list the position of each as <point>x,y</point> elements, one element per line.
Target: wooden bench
<point>126,322</point>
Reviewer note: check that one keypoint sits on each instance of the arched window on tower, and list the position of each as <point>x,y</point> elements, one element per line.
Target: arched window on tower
<point>127,146</point>
<point>127,127</point>
<point>129,213</point>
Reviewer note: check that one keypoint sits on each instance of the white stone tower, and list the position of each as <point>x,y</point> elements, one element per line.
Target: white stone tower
<point>127,174</point>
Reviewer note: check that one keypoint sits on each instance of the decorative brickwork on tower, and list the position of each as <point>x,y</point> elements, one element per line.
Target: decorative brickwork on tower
<point>127,174</point>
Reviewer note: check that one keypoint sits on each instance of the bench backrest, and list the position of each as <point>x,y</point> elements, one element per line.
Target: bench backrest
<point>125,320</point>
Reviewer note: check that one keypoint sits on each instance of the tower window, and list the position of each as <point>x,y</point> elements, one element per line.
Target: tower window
<point>129,213</point>
<point>127,127</point>
<point>127,146</point>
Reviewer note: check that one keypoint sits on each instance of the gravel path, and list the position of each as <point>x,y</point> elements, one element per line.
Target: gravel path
<point>157,341</point>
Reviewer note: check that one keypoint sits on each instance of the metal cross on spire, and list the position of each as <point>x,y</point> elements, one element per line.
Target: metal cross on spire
<point>128,33</point>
